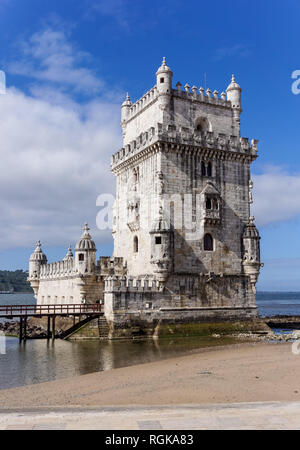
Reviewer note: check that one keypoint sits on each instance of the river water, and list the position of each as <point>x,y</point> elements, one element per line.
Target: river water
<point>36,361</point>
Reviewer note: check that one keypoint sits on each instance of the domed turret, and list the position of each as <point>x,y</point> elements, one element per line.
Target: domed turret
<point>164,79</point>
<point>69,255</point>
<point>85,242</point>
<point>251,252</point>
<point>36,260</point>
<point>161,246</point>
<point>234,96</point>
<point>234,93</point>
<point>125,109</point>
<point>85,252</point>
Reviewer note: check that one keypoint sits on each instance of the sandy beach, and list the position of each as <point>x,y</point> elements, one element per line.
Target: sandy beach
<point>239,373</point>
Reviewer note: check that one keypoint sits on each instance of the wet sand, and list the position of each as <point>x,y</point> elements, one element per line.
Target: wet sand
<point>242,373</point>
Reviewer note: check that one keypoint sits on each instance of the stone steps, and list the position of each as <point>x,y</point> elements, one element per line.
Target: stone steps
<point>103,327</point>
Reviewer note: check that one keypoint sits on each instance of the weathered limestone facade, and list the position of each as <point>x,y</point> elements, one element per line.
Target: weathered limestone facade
<point>185,246</point>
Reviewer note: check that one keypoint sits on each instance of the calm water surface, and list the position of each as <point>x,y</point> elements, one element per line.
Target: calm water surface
<point>283,303</point>
<point>38,360</point>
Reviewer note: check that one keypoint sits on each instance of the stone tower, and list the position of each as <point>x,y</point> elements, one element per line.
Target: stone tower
<point>182,211</point>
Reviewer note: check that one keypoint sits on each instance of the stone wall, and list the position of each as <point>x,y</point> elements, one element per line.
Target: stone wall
<point>70,290</point>
<point>183,299</point>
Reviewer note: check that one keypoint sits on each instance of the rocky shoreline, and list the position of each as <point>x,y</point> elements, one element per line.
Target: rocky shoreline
<point>36,329</point>
<point>32,332</point>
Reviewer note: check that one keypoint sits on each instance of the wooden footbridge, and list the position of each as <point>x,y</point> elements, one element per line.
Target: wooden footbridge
<point>23,312</point>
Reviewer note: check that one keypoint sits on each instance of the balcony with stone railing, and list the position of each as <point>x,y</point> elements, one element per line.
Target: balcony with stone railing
<point>211,216</point>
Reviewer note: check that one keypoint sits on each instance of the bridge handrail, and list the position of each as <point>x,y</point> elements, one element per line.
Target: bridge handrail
<point>80,308</point>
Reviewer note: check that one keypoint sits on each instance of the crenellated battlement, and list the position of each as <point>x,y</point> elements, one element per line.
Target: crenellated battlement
<point>57,269</point>
<point>200,95</point>
<point>187,136</point>
<point>146,100</point>
<point>127,283</point>
<point>107,266</point>
<point>194,94</point>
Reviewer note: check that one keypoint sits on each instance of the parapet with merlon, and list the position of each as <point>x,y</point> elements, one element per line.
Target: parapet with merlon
<point>184,136</point>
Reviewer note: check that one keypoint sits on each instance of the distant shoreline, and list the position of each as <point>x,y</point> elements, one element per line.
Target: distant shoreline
<point>18,292</point>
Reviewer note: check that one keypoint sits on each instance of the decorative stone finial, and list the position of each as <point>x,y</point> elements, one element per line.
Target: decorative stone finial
<point>233,85</point>
<point>164,68</point>
<point>127,101</point>
<point>85,242</point>
<point>38,254</point>
<point>69,254</point>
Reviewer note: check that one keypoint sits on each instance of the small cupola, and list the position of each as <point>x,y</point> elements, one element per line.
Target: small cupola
<point>164,68</point>
<point>85,242</point>
<point>69,256</point>
<point>164,78</point>
<point>251,232</point>
<point>234,93</point>
<point>127,101</point>
<point>126,105</point>
<point>38,255</point>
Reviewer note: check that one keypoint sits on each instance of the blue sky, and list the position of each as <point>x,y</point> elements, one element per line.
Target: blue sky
<point>69,64</point>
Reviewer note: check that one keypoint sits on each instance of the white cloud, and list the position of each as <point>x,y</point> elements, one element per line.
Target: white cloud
<point>54,163</point>
<point>276,196</point>
<point>55,151</point>
<point>48,56</point>
<point>237,50</point>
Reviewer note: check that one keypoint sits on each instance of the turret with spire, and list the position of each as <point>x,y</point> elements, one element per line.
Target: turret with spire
<point>234,96</point>
<point>36,260</point>
<point>69,256</point>
<point>85,253</point>
<point>125,109</point>
<point>164,77</point>
<point>251,252</point>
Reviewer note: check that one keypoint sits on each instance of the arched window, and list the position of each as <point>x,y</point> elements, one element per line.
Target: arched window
<point>203,169</point>
<point>209,169</point>
<point>208,203</point>
<point>135,244</point>
<point>81,257</point>
<point>208,242</point>
<point>202,125</point>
